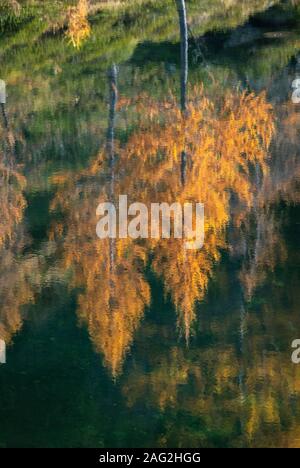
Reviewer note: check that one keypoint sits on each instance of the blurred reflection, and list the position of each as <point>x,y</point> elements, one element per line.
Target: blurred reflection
<point>15,270</point>
<point>260,240</point>
<point>6,133</point>
<point>184,47</point>
<point>199,391</point>
<point>148,170</point>
<point>116,292</point>
<point>3,102</point>
<point>222,151</point>
<point>78,25</point>
<point>235,302</point>
<point>19,273</point>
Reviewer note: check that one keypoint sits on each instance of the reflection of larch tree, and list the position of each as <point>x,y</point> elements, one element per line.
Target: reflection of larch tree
<point>225,139</point>
<point>116,293</point>
<point>16,270</point>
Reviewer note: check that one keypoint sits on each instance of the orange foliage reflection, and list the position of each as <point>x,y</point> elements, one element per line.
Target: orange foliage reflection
<point>15,271</point>
<point>223,142</point>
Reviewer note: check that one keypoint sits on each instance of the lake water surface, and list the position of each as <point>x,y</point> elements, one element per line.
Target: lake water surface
<point>141,343</point>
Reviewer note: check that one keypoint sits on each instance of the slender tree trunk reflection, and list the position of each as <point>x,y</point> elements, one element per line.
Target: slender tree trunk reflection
<point>110,150</point>
<point>9,142</point>
<point>183,51</point>
<point>5,119</point>
<point>181,8</point>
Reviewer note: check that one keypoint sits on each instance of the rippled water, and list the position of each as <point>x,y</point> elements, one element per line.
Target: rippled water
<point>142,343</point>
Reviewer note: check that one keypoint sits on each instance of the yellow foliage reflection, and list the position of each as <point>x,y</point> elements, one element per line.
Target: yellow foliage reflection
<point>78,28</point>
<point>223,142</point>
<point>115,291</point>
<point>12,202</point>
<point>15,271</point>
<point>281,184</point>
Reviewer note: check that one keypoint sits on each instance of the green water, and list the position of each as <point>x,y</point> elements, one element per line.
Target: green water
<point>134,345</point>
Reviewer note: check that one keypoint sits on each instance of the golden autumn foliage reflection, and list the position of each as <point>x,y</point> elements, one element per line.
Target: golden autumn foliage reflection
<point>111,272</point>
<point>264,248</point>
<point>15,270</point>
<point>78,25</point>
<point>244,388</point>
<point>223,141</point>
